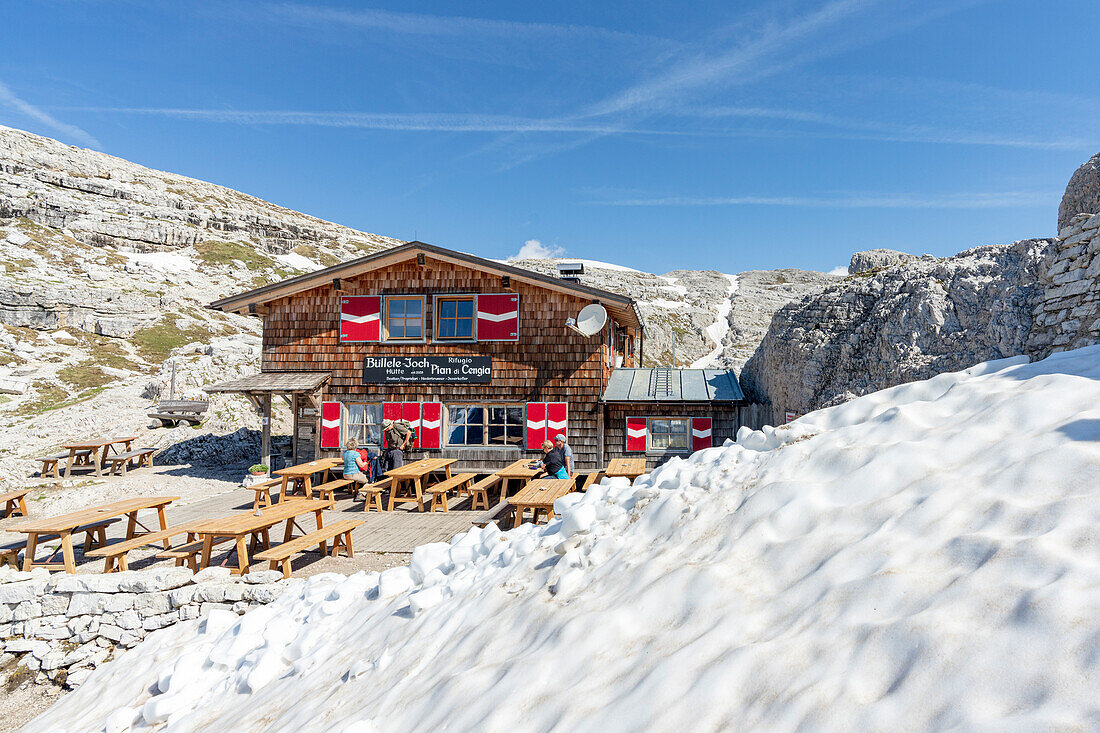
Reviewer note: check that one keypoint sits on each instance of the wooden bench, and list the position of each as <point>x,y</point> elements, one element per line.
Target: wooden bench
<point>115,555</point>
<point>592,478</point>
<point>374,494</point>
<point>479,492</point>
<point>263,492</point>
<point>172,412</point>
<point>120,462</point>
<point>188,552</point>
<point>10,555</point>
<point>14,502</point>
<point>338,532</point>
<point>501,508</point>
<point>50,464</point>
<point>328,489</point>
<point>439,491</point>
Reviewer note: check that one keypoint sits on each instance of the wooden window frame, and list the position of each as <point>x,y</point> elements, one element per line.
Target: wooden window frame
<point>348,425</point>
<point>423,338</point>
<point>486,407</point>
<point>437,301</point>
<point>650,450</point>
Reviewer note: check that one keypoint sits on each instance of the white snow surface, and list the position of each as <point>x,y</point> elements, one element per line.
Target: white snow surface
<point>167,261</point>
<point>922,558</point>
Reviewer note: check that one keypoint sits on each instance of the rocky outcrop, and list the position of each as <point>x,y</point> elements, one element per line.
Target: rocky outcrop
<point>1082,194</point>
<point>1068,313</point>
<point>905,323</point>
<point>877,259</point>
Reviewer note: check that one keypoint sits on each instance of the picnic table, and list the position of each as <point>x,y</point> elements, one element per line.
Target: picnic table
<point>302,475</point>
<point>539,496</point>
<point>414,474</point>
<point>515,471</point>
<point>247,526</point>
<point>99,448</point>
<point>631,468</point>
<point>66,524</point>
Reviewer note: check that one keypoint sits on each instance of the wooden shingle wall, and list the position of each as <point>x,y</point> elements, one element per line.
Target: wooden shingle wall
<point>549,362</point>
<point>724,424</point>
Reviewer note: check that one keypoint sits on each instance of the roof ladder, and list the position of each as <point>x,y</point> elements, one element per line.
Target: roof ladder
<point>660,382</point>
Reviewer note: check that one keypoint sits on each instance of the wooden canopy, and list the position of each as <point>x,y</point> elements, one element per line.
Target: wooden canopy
<point>286,383</point>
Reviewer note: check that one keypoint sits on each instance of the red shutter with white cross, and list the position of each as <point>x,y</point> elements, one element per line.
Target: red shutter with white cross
<point>331,414</point>
<point>361,318</point>
<point>498,317</point>
<point>430,434</point>
<point>536,424</point>
<point>700,433</point>
<point>390,411</point>
<point>636,434</point>
<point>557,419</point>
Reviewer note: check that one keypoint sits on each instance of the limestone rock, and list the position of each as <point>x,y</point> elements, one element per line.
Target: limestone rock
<point>905,323</point>
<point>877,259</point>
<point>1082,194</point>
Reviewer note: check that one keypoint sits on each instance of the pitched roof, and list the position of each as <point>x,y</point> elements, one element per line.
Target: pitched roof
<point>664,384</point>
<point>621,307</point>
<point>273,382</point>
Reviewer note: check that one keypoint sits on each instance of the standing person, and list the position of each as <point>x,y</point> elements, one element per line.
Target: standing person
<point>567,453</point>
<point>553,463</point>
<point>397,440</point>
<point>354,465</point>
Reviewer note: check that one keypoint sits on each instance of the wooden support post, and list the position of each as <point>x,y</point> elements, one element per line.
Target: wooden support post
<point>294,427</point>
<point>265,439</point>
<point>601,459</point>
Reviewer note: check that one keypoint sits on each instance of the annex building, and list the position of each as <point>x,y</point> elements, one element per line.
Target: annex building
<point>486,360</point>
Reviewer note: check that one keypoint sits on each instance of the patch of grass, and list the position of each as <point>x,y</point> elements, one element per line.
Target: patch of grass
<point>315,253</point>
<point>155,343</point>
<point>48,397</point>
<point>85,375</point>
<point>222,254</point>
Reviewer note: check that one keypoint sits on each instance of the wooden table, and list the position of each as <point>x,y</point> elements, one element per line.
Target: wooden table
<point>246,525</point>
<point>64,525</point>
<point>516,471</point>
<point>302,475</point>
<point>632,468</point>
<point>540,495</point>
<point>414,474</point>
<point>99,449</point>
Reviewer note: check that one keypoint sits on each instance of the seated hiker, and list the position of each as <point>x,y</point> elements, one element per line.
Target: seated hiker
<point>355,468</point>
<point>553,462</point>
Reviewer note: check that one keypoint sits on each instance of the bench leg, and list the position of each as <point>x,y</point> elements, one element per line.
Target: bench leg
<point>378,501</point>
<point>242,555</point>
<point>285,566</point>
<point>347,544</point>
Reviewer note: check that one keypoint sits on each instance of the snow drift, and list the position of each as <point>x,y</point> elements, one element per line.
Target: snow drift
<point>924,557</point>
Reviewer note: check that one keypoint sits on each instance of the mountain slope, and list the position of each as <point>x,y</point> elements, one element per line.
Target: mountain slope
<point>922,554</point>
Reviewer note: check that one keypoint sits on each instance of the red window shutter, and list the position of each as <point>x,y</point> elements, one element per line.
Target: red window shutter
<point>636,434</point>
<point>410,412</point>
<point>536,424</point>
<point>557,419</point>
<point>390,411</point>
<point>331,414</point>
<point>431,425</point>
<point>361,318</point>
<point>498,317</point>
<point>700,433</point>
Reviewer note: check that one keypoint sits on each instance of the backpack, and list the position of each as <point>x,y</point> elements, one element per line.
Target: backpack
<point>375,467</point>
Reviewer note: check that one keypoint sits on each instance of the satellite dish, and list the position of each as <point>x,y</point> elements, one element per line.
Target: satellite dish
<point>590,320</point>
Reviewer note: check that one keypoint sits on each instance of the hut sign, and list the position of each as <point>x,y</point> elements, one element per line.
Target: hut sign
<point>426,369</point>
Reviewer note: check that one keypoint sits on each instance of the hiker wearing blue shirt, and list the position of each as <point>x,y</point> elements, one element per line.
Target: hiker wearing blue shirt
<point>354,465</point>
<point>566,452</point>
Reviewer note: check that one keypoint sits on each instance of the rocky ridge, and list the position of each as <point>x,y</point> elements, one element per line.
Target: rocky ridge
<point>908,321</point>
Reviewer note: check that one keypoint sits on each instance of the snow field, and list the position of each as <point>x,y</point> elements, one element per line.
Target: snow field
<point>921,558</point>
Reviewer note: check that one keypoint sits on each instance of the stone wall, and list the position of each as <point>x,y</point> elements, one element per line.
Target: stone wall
<point>1068,314</point>
<point>60,628</point>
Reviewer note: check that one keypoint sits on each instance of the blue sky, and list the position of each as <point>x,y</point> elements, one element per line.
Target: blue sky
<point>724,135</point>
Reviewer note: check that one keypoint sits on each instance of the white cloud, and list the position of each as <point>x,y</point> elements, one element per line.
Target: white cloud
<point>9,98</point>
<point>533,249</point>
<point>838,270</point>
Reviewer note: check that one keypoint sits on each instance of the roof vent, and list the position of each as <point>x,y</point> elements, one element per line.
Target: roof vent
<point>571,271</point>
<point>660,382</point>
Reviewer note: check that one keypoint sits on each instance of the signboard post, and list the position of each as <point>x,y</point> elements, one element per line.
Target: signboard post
<point>427,369</point>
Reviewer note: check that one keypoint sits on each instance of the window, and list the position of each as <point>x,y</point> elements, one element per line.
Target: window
<point>485,425</point>
<point>364,423</point>
<point>405,318</point>
<point>454,318</point>
<point>669,435</point>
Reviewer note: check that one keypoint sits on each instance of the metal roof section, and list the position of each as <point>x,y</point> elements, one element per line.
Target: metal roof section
<point>664,384</point>
<point>623,308</point>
